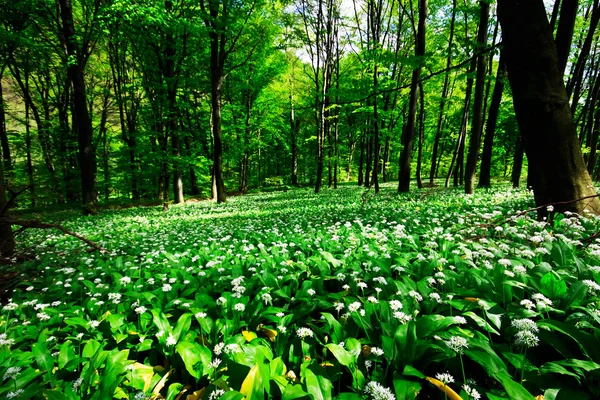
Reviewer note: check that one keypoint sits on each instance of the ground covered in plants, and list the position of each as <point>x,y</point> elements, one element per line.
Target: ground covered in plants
<point>292,295</point>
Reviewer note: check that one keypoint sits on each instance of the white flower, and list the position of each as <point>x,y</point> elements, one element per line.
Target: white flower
<point>166,287</point>
<point>216,394</point>
<point>353,307</point>
<point>402,317</point>
<point>457,344</point>
<point>445,378</point>
<point>140,310</point>
<point>524,324</point>
<point>435,297</point>
<point>528,304</point>
<point>43,316</point>
<point>415,295</point>
<point>221,301</point>
<point>379,392</point>
<point>377,351</point>
<point>372,299</point>
<point>304,332</point>
<point>266,297</point>
<point>218,348</point>
<point>591,284</point>
<point>526,339</point>
<point>200,315</point>
<point>77,383</point>
<point>311,292</point>
<point>171,341</point>
<point>395,305</point>
<point>338,306</point>
<point>460,320</point>
<point>10,306</point>
<point>239,307</point>
<point>280,315</point>
<point>15,394</point>
<point>281,328</point>
<point>472,392</point>
<point>215,363</point>
<point>12,373</point>
<point>125,280</point>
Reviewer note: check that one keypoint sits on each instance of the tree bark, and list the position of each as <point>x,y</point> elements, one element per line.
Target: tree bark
<point>517,162</point>
<point>409,132</point>
<point>477,121</point>
<point>490,128</point>
<point>87,153</point>
<point>542,109</point>
<point>564,33</point>
<point>440,122</point>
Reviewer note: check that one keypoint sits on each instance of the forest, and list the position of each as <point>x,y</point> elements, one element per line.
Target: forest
<point>299,199</point>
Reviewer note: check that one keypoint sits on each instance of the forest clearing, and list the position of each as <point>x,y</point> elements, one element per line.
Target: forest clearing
<point>296,296</point>
<point>299,199</point>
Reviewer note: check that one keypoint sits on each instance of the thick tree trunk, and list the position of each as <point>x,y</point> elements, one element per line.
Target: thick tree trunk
<point>542,109</point>
<point>87,153</point>
<point>360,161</point>
<point>477,122</point>
<point>409,133</point>
<point>490,128</point>
<point>216,91</point>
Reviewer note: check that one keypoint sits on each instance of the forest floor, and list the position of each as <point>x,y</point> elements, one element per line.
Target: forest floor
<point>341,295</point>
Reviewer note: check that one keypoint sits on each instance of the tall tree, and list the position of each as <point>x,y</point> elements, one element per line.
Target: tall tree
<point>77,53</point>
<point>408,136</point>
<point>477,121</point>
<point>542,109</point>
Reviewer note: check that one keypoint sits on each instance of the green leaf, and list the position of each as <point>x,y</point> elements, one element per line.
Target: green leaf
<point>341,354</point>
<point>253,387</point>
<point>430,324</point>
<point>405,388</point>
<point>55,395</point>
<point>405,339</point>
<point>44,359</point>
<point>336,328</point>
<point>553,287</point>
<point>173,390</point>
<point>232,395</point>
<point>183,326</point>
<point>293,392</point>
<point>66,354</point>
<point>195,357</point>
<point>411,371</point>
<point>317,385</point>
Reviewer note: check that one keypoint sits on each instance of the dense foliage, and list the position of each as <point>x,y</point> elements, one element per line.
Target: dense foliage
<point>307,88</point>
<point>342,295</point>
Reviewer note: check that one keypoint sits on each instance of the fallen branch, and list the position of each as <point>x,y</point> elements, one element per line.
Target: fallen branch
<point>30,223</point>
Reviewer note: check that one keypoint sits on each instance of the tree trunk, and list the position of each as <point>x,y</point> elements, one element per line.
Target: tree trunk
<point>87,153</point>
<point>3,134</point>
<point>409,132</point>
<point>421,135</point>
<point>574,84</point>
<point>360,161</point>
<point>542,109</point>
<point>564,33</point>
<point>438,133</point>
<point>517,162</point>
<point>477,122</point>
<point>490,128</point>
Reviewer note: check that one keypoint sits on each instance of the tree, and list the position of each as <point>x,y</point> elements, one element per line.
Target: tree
<point>226,23</point>
<point>477,123</point>
<point>408,136</point>
<point>77,55</point>
<point>542,109</point>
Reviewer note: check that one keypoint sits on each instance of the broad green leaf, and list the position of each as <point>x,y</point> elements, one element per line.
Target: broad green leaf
<point>341,354</point>
<point>44,359</point>
<point>183,326</point>
<point>553,287</point>
<point>253,387</point>
<point>406,389</point>
<point>317,385</point>
<point>195,357</point>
